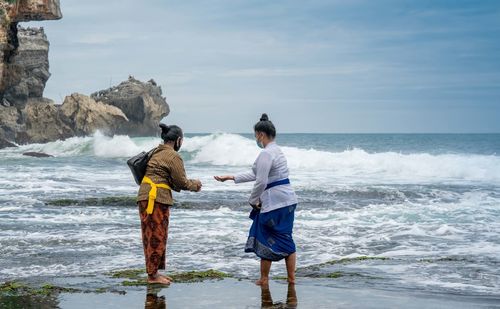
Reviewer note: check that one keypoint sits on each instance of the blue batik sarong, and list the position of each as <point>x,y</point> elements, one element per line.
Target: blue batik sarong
<point>270,235</point>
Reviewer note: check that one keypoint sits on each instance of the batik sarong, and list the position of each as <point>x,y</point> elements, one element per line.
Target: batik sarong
<point>154,229</point>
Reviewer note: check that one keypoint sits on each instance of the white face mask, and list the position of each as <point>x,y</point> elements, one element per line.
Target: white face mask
<point>259,143</point>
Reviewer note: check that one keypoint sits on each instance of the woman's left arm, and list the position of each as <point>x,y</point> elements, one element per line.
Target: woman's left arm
<point>263,166</point>
<point>179,179</point>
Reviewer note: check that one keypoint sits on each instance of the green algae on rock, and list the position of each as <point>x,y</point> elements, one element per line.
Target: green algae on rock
<point>356,259</point>
<point>13,287</point>
<point>343,261</point>
<point>134,273</point>
<point>48,289</point>
<point>445,259</point>
<point>19,288</point>
<point>197,276</point>
<point>95,201</point>
<point>138,276</point>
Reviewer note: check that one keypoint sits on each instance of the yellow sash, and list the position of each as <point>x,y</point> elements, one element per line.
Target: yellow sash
<point>152,192</point>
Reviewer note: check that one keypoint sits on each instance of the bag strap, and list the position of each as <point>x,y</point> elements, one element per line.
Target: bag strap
<point>152,152</point>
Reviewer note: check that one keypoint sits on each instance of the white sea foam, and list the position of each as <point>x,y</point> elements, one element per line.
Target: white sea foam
<point>118,146</point>
<point>309,167</point>
<point>235,150</point>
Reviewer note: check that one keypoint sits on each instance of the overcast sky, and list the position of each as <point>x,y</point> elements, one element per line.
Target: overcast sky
<point>313,66</point>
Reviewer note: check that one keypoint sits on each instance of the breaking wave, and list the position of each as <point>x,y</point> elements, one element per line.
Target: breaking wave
<point>232,150</point>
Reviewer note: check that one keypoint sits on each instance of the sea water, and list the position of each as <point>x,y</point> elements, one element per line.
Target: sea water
<point>424,208</point>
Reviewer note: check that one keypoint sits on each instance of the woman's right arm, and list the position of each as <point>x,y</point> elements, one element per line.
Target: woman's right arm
<point>243,177</point>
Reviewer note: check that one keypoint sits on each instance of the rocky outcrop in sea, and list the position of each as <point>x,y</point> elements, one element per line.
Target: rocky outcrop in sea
<point>132,107</point>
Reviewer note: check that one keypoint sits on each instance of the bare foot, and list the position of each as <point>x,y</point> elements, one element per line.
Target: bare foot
<point>158,280</point>
<point>167,277</point>
<point>262,282</point>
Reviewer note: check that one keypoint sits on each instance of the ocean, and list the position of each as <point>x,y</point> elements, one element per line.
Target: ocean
<point>400,212</point>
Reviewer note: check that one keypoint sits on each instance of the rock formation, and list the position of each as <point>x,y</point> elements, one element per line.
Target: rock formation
<point>37,154</point>
<point>24,52</point>
<point>42,123</point>
<point>23,61</point>
<point>28,68</point>
<point>132,107</point>
<point>86,116</point>
<point>142,103</point>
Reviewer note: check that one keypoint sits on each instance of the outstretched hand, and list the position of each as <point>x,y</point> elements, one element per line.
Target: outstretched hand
<point>198,185</point>
<point>224,178</point>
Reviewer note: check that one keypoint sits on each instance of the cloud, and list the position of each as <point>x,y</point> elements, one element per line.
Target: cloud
<point>358,63</point>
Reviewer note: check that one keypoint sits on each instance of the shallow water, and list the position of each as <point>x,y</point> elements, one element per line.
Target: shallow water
<point>430,204</point>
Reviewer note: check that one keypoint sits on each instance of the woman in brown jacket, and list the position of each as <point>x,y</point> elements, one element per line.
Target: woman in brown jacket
<point>165,172</point>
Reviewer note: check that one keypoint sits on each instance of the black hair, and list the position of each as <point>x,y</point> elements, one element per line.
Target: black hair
<point>170,133</point>
<point>266,126</point>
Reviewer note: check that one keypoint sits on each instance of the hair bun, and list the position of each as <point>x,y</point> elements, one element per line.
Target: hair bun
<point>164,127</point>
<point>264,117</point>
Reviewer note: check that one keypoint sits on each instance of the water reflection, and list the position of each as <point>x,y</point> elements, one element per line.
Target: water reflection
<point>267,299</point>
<point>153,301</point>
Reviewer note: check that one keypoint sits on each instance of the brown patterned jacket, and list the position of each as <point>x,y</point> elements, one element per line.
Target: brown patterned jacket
<point>166,166</point>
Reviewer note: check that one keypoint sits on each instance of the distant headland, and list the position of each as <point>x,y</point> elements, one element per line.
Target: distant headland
<point>132,107</point>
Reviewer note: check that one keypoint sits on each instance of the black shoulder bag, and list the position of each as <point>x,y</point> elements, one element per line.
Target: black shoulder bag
<point>139,163</point>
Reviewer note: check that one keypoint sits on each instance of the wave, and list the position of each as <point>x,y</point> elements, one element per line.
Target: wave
<point>232,150</point>
<point>235,150</point>
<point>99,145</point>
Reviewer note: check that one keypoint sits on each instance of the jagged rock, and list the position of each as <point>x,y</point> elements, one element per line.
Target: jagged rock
<point>43,123</point>
<point>5,143</point>
<point>28,10</point>
<point>133,107</point>
<point>10,122</point>
<point>24,52</point>
<point>28,67</point>
<point>86,116</point>
<point>37,154</point>
<point>142,103</point>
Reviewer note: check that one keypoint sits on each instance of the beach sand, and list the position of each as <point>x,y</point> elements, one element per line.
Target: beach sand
<point>243,293</point>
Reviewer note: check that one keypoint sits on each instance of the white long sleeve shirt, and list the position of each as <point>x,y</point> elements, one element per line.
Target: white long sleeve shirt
<point>270,166</point>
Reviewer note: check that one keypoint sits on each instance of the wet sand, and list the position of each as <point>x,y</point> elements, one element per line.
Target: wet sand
<point>237,293</point>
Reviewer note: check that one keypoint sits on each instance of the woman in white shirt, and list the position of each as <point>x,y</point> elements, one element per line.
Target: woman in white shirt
<point>273,201</point>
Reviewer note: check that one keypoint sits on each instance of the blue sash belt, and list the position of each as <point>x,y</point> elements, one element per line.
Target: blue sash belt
<point>285,181</point>
<point>255,211</point>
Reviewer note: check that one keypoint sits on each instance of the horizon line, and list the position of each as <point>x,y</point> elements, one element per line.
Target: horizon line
<point>374,133</point>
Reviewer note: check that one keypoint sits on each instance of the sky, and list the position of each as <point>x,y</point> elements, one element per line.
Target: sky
<point>320,66</point>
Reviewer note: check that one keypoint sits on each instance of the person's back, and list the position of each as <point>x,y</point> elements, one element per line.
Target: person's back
<point>166,166</point>
<point>273,201</point>
<point>276,196</point>
<point>164,173</point>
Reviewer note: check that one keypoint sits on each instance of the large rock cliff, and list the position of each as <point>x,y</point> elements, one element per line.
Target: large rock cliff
<point>24,65</point>
<point>28,68</point>
<point>132,107</point>
<point>24,52</point>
